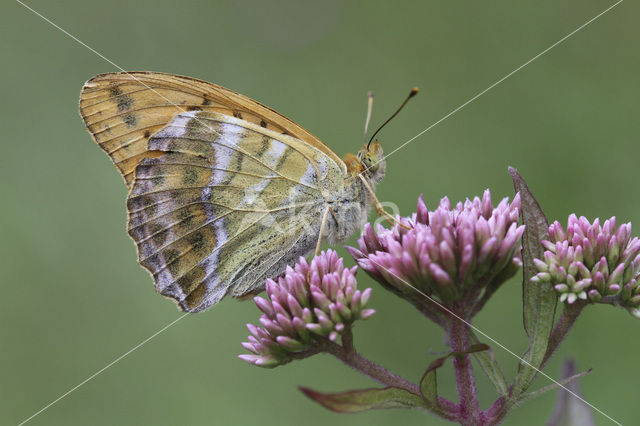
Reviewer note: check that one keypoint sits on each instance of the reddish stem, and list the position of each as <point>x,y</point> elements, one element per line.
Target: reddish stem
<point>470,413</point>
<point>563,326</point>
<point>347,354</point>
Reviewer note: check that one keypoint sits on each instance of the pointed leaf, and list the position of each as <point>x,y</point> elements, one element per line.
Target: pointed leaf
<point>429,382</point>
<point>490,367</point>
<point>365,399</point>
<point>475,348</point>
<point>538,300</point>
<point>560,384</point>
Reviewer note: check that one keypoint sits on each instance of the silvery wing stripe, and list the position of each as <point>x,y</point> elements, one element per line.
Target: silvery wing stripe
<point>176,128</point>
<point>274,153</point>
<point>164,279</point>
<point>228,135</point>
<point>309,178</point>
<point>270,158</point>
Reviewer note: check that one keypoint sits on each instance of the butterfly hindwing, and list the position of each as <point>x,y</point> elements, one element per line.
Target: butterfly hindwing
<point>223,191</point>
<point>218,207</point>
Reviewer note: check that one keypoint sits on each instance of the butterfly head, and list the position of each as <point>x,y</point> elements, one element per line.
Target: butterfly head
<point>370,160</point>
<point>373,163</point>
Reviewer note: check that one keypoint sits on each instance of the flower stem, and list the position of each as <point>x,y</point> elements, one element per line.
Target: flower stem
<point>494,414</point>
<point>445,408</point>
<point>470,413</point>
<point>380,374</point>
<point>562,328</point>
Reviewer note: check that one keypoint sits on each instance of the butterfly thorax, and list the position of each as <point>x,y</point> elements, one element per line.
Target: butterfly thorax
<point>351,208</point>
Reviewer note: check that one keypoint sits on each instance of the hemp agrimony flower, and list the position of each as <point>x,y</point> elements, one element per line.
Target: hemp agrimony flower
<point>449,252</point>
<point>456,257</point>
<point>311,301</point>
<point>593,262</point>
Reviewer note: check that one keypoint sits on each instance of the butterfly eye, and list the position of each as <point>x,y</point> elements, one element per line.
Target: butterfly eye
<point>370,161</point>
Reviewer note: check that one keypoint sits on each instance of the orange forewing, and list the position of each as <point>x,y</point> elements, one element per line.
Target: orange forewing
<point>123,110</point>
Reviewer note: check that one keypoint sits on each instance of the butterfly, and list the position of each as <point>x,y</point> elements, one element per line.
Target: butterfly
<point>223,192</point>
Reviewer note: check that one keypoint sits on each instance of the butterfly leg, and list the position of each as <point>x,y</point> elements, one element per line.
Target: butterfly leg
<point>378,206</point>
<point>325,217</point>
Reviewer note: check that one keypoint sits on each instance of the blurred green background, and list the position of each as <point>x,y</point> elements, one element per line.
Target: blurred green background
<point>74,298</point>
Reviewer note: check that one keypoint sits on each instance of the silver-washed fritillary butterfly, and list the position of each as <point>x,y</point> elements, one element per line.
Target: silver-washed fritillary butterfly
<point>223,191</point>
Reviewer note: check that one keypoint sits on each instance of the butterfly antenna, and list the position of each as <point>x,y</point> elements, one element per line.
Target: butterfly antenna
<point>413,92</point>
<point>369,109</point>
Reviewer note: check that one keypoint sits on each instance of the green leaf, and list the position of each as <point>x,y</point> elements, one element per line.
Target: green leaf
<point>429,382</point>
<point>560,384</point>
<point>539,301</point>
<point>490,367</point>
<point>365,399</point>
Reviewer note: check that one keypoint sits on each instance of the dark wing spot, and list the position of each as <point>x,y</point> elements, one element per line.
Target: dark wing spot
<point>190,176</point>
<point>157,180</point>
<point>145,202</point>
<point>194,298</point>
<point>263,123</point>
<point>158,234</point>
<point>130,120</point>
<point>198,129</point>
<point>115,91</point>
<point>196,240</point>
<point>185,283</point>
<point>186,219</point>
<point>147,133</point>
<point>150,206</point>
<point>171,257</point>
<point>206,102</point>
<point>283,158</point>
<point>193,108</point>
<point>266,142</point>
<point>124,102</point>
<point>236,114</point>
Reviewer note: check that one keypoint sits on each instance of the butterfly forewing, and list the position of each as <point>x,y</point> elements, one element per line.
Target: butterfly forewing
<point>123,110</point>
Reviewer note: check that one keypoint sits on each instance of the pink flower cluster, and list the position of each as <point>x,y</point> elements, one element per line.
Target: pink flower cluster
<point>592,261</point>
<point>447,252</point>
<point>309,303</point>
